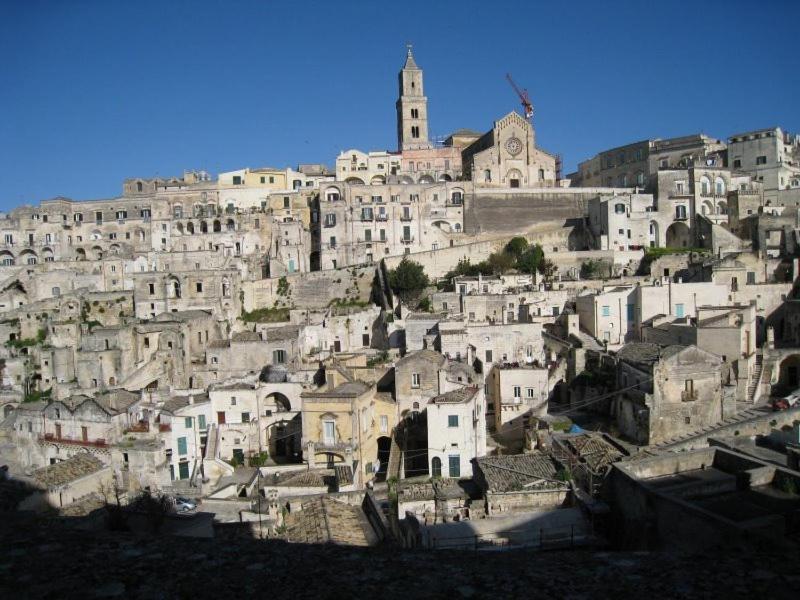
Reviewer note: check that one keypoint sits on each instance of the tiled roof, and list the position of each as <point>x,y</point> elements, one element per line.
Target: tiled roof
<point>67,471</point>
<point>426,355</point>
<point>305,478</point>
<point>287,332</point>
<point>246,336</point>
<point>455,396</point>
<point>324,520</point>
<point>519,472</point>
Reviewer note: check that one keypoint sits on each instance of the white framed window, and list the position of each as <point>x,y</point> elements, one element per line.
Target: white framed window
<point>415,380</point>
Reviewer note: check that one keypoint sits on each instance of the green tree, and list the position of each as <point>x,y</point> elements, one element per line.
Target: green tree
<point>547,268</point>
<point>516,247</point>
<point>408,280</point>
<point>500,262</point>
<point>530,260</point>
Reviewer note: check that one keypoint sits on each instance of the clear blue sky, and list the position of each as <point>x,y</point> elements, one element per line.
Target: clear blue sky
<point>92,91</point>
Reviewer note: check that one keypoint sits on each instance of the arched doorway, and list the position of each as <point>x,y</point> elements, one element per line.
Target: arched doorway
<point>789,374</point>
<point>654,238</point>
<point>382,460</point>
<point>436,467</point>
<point>514,178</point>
<point>678,236</point>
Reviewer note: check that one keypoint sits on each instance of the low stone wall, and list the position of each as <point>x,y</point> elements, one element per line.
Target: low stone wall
<point>523,501</point>
<point>310,290</point>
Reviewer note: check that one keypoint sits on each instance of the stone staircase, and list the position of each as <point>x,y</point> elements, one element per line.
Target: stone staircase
<point>395,459</point>
<point>755,382</point>
<point>746,414</point>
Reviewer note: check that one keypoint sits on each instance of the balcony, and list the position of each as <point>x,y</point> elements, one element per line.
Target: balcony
<point>688,396</point>
<point>140,427</point>
<point>366,217</point>
<point>332,446</point>
<point>51,438</point>
<point>407,240</point>
<point>406,217</point>
<point>381,217</point>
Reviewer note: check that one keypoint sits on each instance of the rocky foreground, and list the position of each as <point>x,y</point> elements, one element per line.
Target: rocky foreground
<point>50,561</point>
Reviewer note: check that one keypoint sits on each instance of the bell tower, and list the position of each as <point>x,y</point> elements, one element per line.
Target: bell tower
<point>412,107</point>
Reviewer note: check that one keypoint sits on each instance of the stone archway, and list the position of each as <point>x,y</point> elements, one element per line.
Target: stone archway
<point>514,178</point>
<point>678,235</point>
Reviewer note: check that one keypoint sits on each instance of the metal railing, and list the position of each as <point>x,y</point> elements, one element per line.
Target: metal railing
<point>542,538</point>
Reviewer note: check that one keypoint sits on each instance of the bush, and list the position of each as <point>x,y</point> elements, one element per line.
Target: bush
<point>36,395</point>
<point>500,262</point>
<point>265,315</point>
<point>283,286</point>
<point>408,280</point>
<point>259,460</point>
<point>595,269</point>
<point>425,305</point>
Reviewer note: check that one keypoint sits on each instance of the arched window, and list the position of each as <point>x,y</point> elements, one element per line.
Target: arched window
<point>619,208</point>
<point>719,186</point>
<point>138,186</point>
<point>487,175</point>
<point>436,467</point>
<point>705,185</point>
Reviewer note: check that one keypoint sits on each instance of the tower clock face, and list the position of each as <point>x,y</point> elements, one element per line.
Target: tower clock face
<point>514,146</point>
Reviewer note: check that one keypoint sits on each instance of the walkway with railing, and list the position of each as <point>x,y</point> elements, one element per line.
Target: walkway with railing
<point>542,538</point>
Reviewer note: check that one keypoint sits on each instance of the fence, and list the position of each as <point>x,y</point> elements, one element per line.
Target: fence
<point>541,538</point>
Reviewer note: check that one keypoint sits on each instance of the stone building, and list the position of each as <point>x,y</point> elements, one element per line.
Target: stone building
<point>507,156</point>
<point>347,422</point>
<point>633,165</point>
<point>666,392</point>
<point>456,423</point>
<point>770,156</point>
<point>516,392</point>
<point>362,224</point>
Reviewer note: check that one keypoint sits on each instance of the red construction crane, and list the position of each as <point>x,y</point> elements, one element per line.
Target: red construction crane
<point>527,107</point>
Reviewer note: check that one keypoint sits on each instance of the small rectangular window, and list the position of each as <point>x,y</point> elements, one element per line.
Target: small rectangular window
<point>452,420</point>
<point>415,380</point>
<point>188,422</point>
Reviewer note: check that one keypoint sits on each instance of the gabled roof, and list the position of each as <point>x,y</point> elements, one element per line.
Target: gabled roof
<point>425,354</point>
<point>519,472</point>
